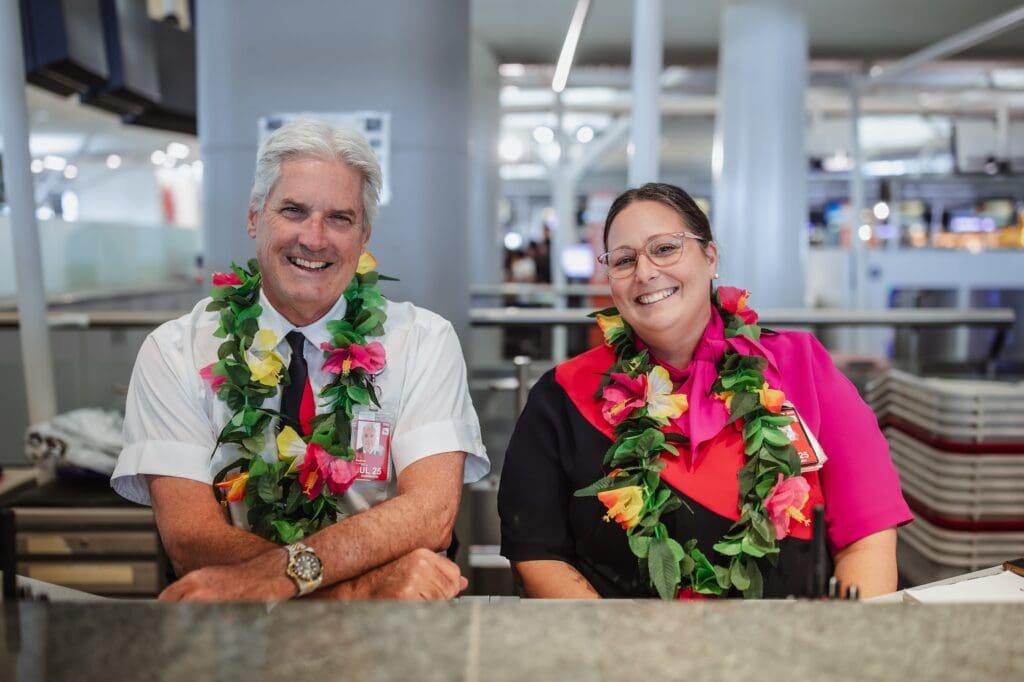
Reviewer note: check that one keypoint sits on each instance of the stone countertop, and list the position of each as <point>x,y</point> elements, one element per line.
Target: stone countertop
<point>510,640</point>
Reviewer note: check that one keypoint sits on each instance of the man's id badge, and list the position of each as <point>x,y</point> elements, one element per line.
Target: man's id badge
<point>371,440</point>
<point>812,457</point>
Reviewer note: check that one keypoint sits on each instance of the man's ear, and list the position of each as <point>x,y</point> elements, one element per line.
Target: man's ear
<point>250,226</point>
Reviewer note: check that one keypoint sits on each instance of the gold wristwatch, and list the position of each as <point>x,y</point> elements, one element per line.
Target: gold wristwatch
<point>304,567</point>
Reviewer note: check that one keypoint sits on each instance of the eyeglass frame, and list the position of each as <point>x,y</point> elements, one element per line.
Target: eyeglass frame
<point>606,256</point>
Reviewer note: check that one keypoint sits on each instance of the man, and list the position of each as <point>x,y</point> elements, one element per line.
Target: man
<point>313,202</point>
<point>369,441</point>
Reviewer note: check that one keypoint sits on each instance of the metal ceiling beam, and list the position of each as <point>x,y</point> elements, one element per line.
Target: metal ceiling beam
<point>945,48</point>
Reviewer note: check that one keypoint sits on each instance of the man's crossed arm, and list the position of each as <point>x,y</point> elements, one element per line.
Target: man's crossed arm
<point>386,551</point>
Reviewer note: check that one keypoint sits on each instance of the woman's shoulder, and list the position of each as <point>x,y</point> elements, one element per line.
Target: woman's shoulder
<point>795,349</point>
<point>585,367</point>
<point>789,340</point>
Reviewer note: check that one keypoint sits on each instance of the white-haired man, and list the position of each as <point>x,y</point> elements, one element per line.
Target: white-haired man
<point>313,202</point>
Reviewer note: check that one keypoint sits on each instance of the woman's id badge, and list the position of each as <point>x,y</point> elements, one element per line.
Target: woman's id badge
<point>812,457</point>
<point>371,440</point>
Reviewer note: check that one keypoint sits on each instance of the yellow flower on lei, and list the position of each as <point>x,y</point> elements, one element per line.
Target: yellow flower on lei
<point>726,397</point>
<point>662,403</point>
<point>366,263</point>
<point>265,364</point>
<point>770,398</point>
<point>235,487</point>
<point>611,326</point>
<point>290,448</point>
<point>624,505</point>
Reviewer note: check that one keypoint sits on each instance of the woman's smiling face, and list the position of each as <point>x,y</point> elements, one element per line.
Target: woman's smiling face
<point>668,304</point>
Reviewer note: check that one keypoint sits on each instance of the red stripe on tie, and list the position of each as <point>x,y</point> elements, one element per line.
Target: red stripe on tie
<point>307,409</point>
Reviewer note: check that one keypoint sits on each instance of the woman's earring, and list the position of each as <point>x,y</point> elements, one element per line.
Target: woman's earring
<point>716,275</point>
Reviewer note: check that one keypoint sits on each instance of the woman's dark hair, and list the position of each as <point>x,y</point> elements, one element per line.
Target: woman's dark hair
<point>674,197</point>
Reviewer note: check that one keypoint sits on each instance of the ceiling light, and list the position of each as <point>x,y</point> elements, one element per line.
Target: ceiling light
<point>113,162</point>
<point>585,134</point>
<point>510,148</point>
<point>69,206</point>
<point>54,163</point>
<point>543,135</point>
<point>512,70</point>
<point>36,166</point>
<point>177,150</point>
<point>572,38</point>
<point>513,241</point>
<point>70,171</point>
<point>158,157</point>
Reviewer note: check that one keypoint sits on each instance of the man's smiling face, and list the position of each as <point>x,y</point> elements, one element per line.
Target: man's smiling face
<point>309,235</point>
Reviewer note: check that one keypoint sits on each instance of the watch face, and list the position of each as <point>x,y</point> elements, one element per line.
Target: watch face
<point>306,566</point>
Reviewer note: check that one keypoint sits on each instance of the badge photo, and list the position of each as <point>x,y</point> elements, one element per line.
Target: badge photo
<point>371,440</point>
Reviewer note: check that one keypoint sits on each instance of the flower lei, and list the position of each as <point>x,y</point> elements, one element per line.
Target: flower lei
<point>299,492</point>
<point>639,401</point>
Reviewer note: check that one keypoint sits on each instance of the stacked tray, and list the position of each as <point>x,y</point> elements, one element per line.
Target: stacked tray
<point>959,448</point>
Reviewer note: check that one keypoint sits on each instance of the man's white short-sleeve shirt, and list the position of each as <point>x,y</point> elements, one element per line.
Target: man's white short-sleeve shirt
<point>172,418</point>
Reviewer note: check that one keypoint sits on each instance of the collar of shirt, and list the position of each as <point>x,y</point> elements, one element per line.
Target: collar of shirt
<point>315,333</point>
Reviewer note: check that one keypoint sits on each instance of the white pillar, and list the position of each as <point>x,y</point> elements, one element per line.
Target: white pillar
<point>33,331</point>
<point>648,37</point>
<point>483,239</point>
<point>856,198</point>
<point>758,163</point>
<point>563,194</point>
<point>858,263</point>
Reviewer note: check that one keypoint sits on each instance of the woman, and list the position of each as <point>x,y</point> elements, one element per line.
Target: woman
<point>628,473</point>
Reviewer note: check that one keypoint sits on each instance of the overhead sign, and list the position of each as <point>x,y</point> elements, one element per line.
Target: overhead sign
<point>375,125</point>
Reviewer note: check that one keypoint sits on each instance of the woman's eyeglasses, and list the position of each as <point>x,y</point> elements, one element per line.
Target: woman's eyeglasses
<point>661,249</point>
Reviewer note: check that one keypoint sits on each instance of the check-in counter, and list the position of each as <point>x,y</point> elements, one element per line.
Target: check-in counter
<point>511,640</point>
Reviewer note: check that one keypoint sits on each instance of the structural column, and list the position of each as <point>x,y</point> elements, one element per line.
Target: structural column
<point>645,138</point>
<point>34,331</point>
<point>759,165</point>
<point>411,59</point>
<point>483,236</point>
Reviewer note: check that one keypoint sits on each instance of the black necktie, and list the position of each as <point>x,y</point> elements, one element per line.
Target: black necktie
<point>291,397</point>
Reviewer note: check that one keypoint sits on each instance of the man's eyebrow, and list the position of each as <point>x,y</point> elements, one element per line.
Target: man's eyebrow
<point>348,212</point>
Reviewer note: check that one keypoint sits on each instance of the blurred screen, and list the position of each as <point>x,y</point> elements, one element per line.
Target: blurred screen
<point>578,261</point>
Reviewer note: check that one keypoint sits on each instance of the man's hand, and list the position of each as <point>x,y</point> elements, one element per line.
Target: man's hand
<point>260,579</point>
<point>418,575</point>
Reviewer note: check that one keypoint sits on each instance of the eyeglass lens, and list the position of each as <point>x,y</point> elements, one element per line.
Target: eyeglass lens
<point>662,251</point>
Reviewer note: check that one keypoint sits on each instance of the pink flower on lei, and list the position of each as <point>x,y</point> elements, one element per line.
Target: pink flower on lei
<point>319,467</point>
<point>785,501</point>
<point>369,358</point>
<point>221,279</point>
<point>735,301</point>
<point>209,377</point>
<point>622,396</point>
